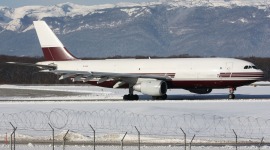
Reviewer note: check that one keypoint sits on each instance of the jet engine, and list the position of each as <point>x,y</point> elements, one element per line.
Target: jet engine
<point>151,87</point>
<point>201,90</point>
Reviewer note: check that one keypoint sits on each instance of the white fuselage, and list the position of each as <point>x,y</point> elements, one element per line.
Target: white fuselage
<point>184,72</point>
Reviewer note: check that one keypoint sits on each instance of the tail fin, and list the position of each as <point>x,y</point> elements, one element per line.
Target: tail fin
<point>52,47</point>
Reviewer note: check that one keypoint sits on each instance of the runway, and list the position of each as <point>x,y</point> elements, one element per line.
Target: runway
<point>92,93</point>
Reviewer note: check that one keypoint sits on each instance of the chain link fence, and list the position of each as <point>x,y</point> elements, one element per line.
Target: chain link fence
<point>110,125</point>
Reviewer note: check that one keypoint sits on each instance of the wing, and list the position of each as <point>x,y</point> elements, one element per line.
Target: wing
<point>120,78</point>
<point>84,76</point>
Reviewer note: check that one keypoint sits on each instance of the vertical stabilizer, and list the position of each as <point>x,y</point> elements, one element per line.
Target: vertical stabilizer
<point>52,47</point>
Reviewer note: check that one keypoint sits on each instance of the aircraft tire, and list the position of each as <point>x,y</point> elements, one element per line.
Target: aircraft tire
<point>231,96</point>
<point>136,97</point>
<point>125,97</point>
<point>164,97</point>
<point>130,97</point>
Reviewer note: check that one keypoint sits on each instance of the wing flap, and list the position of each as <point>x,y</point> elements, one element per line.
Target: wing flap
<point>101,80</point>
<point>107,75</point>
<point>68,75</point>
<point>118,84</point>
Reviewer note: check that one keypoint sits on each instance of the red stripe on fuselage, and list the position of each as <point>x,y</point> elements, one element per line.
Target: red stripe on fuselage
<point>57,54</point>
<point>242,74</point>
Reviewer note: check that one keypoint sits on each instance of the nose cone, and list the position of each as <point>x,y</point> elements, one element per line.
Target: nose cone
<point>260,74</point>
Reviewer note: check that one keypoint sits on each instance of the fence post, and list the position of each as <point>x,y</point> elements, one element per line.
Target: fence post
<point>6,139</point>
<point>236,138</point>
<point>139,138</point>
<point>14,136</point>
<point>52,135</point>
<point>64,140</point>
<point>94,142</point>
<point>185,138</point>
<point>11,140</point>
<point>122,141</point>
<point>191,142</point>
<point>261,143</point>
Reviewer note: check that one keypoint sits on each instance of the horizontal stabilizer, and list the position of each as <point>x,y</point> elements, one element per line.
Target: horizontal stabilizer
<point>49,67</point>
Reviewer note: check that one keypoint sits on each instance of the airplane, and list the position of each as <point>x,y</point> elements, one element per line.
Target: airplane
<point>151,77</point>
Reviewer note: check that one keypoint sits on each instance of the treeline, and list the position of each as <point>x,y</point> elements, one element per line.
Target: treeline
<point>15,74</point>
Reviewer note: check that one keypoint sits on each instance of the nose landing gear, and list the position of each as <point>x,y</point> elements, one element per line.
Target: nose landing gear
<point>231,95</point>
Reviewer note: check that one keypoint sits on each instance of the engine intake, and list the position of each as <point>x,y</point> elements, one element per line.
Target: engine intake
<point>152,87</point>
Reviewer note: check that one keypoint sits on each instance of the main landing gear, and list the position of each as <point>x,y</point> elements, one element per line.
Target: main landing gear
<point>131,96</point>
<point>231,95</point>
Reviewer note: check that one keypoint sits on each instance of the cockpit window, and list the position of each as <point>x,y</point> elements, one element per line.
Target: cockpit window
<point>254,67</point>
<point>250,67</point>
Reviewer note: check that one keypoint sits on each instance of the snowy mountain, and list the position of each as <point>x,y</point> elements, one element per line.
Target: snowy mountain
<point>169,27</point>
<point>16,19</point>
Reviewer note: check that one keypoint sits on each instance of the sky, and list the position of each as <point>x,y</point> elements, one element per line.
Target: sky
<point>18,3</point>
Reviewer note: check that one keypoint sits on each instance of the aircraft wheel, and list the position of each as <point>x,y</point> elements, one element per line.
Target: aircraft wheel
<point>231,96</point>
<point>126,97</point>
<point>164,97</point>
<point>130,97</point>
<point>136,97</point>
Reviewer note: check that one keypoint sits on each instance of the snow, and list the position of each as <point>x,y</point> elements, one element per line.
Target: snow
<point>131,11</point>
<point>92,92</point>
<point>39,12</point>
<point>42,147</point>
<point>262,4</point>
<point>15,15</point>
<point>65,9</point>
<point>211,117</point>
<point>243,20</point>
<point>59,10</point>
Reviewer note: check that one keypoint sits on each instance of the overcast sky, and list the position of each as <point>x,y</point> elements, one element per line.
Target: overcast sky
<point>18,3</point>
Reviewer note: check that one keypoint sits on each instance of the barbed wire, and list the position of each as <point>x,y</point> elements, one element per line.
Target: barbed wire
<point>115,120</point>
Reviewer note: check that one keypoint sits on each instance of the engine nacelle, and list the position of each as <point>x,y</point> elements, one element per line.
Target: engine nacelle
<point>201,90</point>
<point>151,87</point>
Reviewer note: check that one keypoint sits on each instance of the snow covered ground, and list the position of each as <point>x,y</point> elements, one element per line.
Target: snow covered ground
<point>42,147</point>
<point>210,117</point>
<point>30,92</point>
